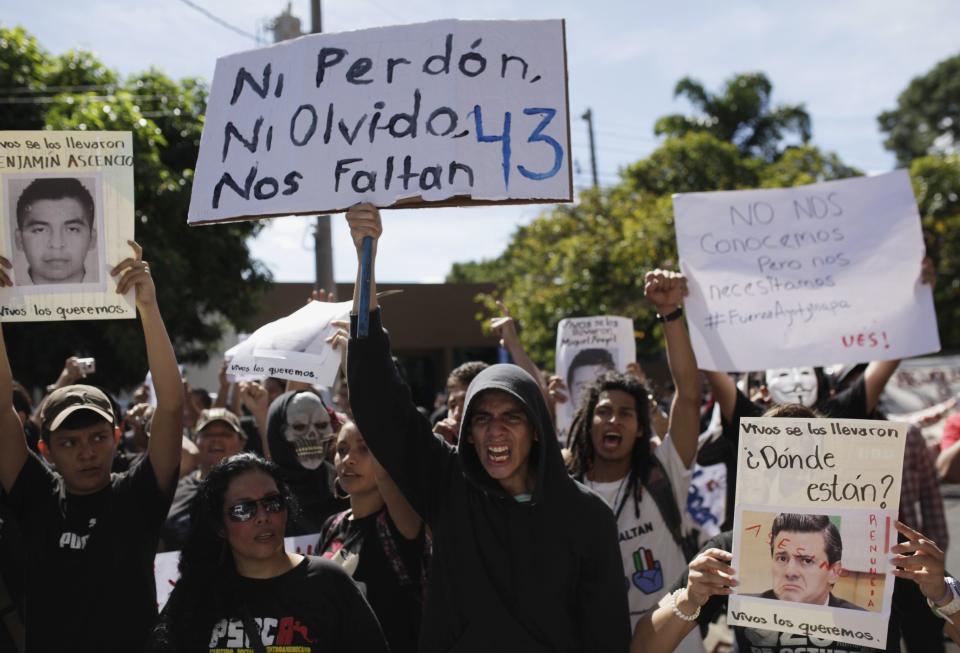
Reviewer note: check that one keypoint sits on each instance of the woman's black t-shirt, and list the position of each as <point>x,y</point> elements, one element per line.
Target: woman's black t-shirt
<point>387,567</point>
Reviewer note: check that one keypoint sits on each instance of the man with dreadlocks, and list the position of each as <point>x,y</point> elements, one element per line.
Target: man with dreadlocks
<point>645,487</point>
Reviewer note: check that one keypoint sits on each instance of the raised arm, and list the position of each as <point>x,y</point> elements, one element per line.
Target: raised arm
<point>166,429</point>
<point>505,327</point>
<point>13,445</point>
<point>666,291</point>
<point>875,380</point>
<point>407,520</point>
<point>724,390</point>
<point>398,435</point>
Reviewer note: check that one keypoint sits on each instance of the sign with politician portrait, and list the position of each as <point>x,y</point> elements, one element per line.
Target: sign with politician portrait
<point>816,504</point>
<point>66,206</point>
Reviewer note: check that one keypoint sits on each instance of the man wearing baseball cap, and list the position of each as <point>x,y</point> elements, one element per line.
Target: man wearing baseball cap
<point>219,436</point>
<point>90,536</point>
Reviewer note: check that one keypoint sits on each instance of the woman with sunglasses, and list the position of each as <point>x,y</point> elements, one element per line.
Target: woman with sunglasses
<point>239,588</point>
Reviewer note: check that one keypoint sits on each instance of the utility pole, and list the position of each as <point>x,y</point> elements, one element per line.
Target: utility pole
<point>588,116</point>
<point>322,235</point>
<point>286,26</point>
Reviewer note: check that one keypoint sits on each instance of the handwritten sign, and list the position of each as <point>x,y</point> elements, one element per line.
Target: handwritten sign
<point>816,502</point>
<point>293,348</point>
<point>586,348</point>
<point>66,208</point>
<point>455,112</point>
<point>166,574</point>
<point>814,275</point>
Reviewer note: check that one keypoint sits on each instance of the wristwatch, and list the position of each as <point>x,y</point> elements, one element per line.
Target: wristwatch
<point>951,608</point>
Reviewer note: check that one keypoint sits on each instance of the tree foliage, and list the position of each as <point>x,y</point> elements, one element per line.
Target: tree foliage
<point>927,117</point>
<point>741,114</point>
<point>205,276</point>
<point>589,258</point>
<point>936,184</point>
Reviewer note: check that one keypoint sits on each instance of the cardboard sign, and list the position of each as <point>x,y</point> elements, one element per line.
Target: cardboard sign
<point>449,112</point>
<point>814,275</point>
<point>166,574</point>
<point>293,348</point>
<point>586,348</point>
<point>814,522</point>
<point>66,213</point>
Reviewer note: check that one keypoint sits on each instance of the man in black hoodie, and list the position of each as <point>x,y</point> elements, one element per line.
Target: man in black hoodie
<point>525,559</point>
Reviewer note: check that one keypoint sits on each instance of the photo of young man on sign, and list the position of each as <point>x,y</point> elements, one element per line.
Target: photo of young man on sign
<point>55,227</point>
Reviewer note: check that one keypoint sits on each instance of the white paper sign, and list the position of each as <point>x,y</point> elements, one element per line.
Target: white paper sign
<point>460,111</point>
<point>293,347</point>
<point>166,574</point>
<point>814,275</point>
<point>814,522</point>
<point>586,348</point>
<point>66,214</point>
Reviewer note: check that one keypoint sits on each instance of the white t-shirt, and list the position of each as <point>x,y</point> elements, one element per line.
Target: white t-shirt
<point>652,561</point>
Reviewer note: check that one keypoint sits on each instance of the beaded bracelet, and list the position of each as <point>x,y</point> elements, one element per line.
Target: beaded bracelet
<point>676,610</point>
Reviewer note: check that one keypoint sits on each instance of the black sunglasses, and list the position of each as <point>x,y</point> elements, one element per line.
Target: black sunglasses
<point>247,510</point>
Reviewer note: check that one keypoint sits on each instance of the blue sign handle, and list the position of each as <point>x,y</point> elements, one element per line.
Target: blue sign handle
<point>363,318</point>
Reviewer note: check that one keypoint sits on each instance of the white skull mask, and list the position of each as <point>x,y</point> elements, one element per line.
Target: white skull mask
<point>793,385</point>
<point>308,426</point>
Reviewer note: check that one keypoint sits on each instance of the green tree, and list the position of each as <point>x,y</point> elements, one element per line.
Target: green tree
<point>205,276</point>
<point>936,184</point>
<point>589,258</point>
<point>927,117</point>
<point>741,114</point>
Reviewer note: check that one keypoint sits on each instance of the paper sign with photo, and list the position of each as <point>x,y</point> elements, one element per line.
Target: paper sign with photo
<point>813,275</point>
<point>66,207</point>
<point>443,113</point>
<point>814,522</point>
<point>293,347</point>
<point>586,348</point>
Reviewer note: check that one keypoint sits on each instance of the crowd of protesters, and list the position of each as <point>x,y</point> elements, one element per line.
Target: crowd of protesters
<point>477,528</point>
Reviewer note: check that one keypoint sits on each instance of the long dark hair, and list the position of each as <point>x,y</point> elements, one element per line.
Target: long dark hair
<point>208,576</point>
<point>580,442</point>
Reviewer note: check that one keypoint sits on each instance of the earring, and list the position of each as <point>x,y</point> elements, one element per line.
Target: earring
<point>338,491</point>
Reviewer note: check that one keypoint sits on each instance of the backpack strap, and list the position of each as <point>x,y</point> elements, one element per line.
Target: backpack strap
<point>658,484</point>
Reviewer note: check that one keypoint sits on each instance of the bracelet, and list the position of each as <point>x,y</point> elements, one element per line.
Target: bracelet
<point>676,610</point>
<point>945,594</point>
<point>670,317</point>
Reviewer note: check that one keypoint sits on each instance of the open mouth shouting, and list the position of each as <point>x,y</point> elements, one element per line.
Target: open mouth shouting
<point>611,440</point>
<point>498,454</point>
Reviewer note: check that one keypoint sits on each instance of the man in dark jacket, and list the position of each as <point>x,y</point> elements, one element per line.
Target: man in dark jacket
<point>525,558</point>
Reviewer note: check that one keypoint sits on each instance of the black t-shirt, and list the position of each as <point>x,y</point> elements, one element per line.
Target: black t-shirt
<point>313,607</point>
<point>12,575</point>
<point>849,404</point>
<point>90,583</point>
<point>392,583</point>
<point>177,524</point>
<point>755,640</point>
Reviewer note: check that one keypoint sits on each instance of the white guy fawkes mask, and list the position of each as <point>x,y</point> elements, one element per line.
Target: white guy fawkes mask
<point>308,425</point>
<point>793,385</point>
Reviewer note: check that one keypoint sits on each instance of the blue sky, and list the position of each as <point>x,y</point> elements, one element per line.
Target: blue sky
<point>847,61</point>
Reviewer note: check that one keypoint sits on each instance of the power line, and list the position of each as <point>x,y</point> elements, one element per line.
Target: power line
<point>222,22</point>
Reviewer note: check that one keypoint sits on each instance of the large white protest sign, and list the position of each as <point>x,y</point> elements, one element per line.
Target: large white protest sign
<point>457,112</point>
<point>66,208</point>
<point>586,348</point>
<point>814,522</point>
<point>166,574</point>
<point>293,348</point>
<point>813,275</point>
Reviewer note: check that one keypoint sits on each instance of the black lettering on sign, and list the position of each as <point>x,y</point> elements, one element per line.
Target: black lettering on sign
<point>246,79</point>
<point>230,132</point>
